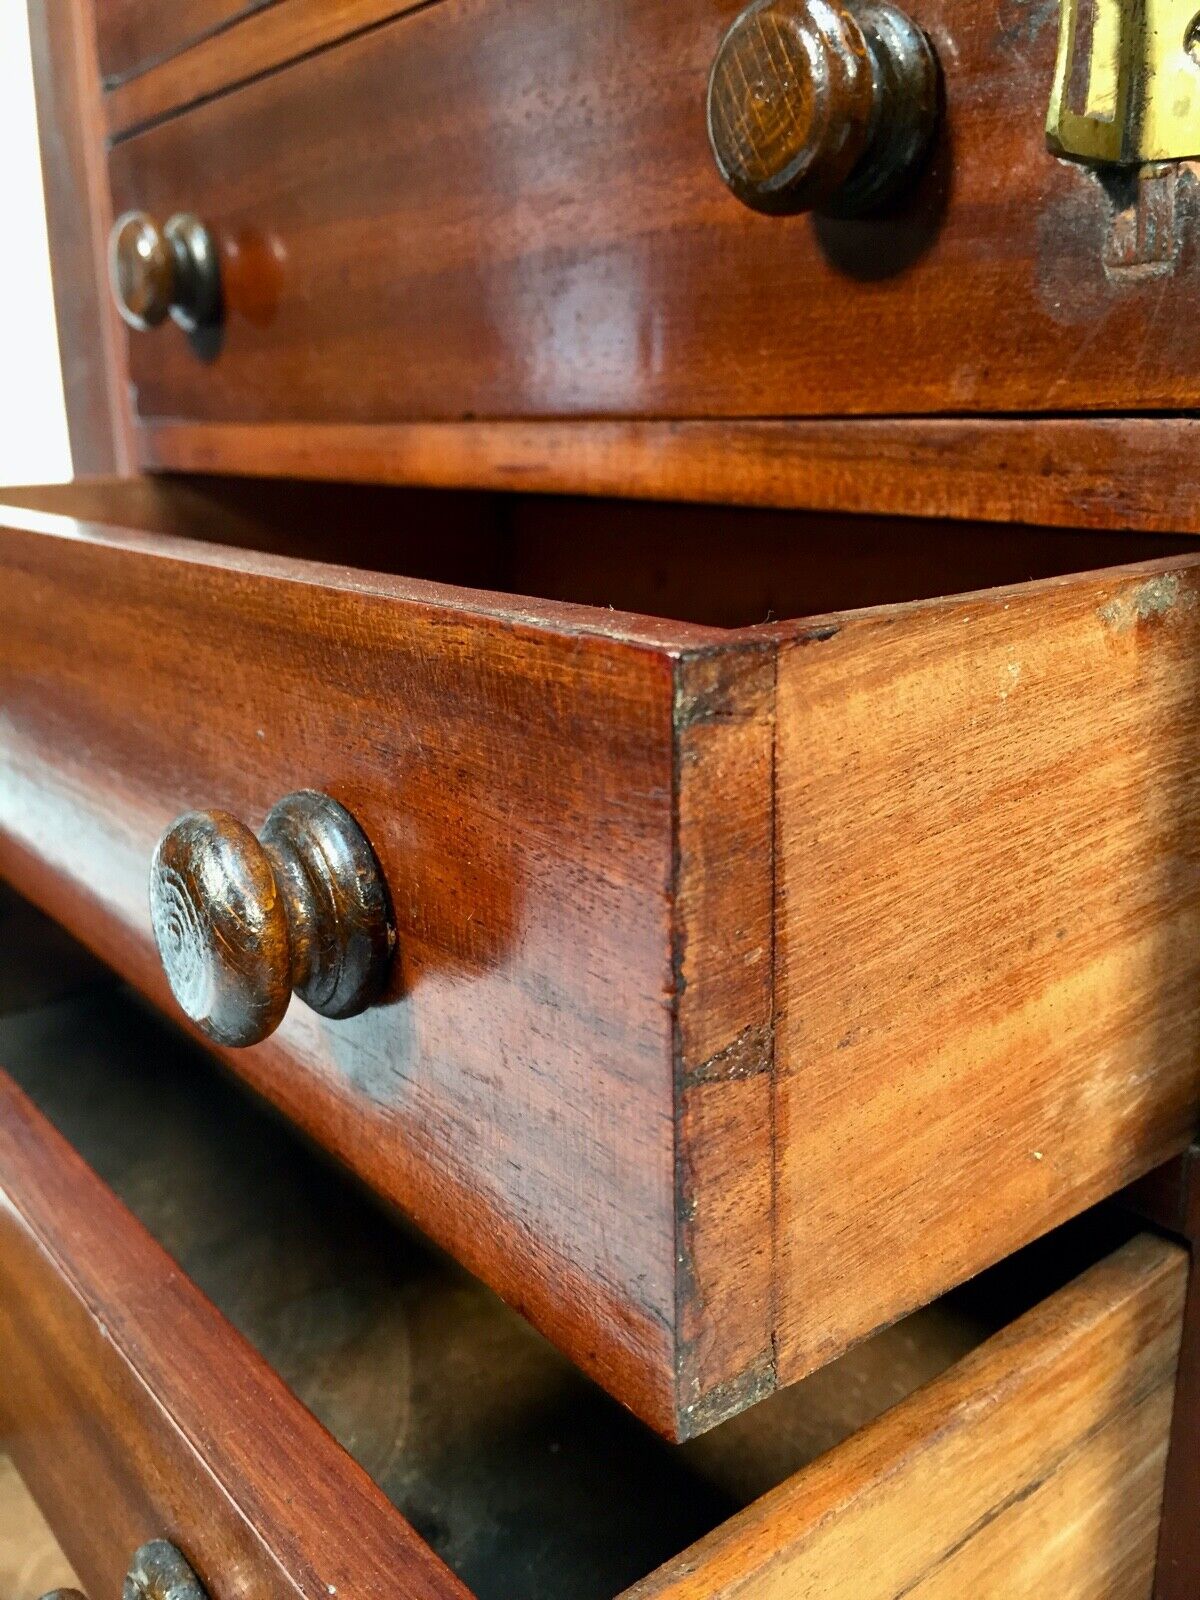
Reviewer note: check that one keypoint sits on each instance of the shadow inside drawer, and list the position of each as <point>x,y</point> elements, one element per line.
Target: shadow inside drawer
<point>522,1475</point>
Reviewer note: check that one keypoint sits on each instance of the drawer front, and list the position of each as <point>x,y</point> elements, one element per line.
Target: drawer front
<point>513,1086</point>
<point>511,210</point>
<point>754,987</point>
<point>1035,1466</point>
<point>1033,1462</point>
<point>133,35</point>
<point>134,1411</point>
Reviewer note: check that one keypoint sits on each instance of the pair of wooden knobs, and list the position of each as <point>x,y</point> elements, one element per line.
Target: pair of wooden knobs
<point>812,104</point>
<point>242,921</point>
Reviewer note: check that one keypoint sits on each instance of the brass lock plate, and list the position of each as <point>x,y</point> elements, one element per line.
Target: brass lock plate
<point>1127,86</point>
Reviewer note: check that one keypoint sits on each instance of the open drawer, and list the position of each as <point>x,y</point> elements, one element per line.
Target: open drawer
<point>757,981</point>
<point>158,1352</point>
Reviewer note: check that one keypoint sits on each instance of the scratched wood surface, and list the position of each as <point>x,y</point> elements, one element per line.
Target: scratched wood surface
<point>1035,1466</point>
<point>133,1410</point>
<point>676,904</point>
<point>555,240</point>
<point>988,881</point>
<point>512,766</point>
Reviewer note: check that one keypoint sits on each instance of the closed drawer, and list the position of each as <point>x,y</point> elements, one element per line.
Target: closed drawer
<point>1026,1454</point>
<point>483,210</point>
<point>755,984</point>
<point>133,35</point>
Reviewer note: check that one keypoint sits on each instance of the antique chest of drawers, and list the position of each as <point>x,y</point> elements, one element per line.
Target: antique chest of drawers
<point>624,652</point>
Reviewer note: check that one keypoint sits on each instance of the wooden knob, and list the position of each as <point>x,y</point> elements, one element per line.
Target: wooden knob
<point>159,1572</point>
<point>241,922</point>
<point>814,104</point>
<point>155,271</point>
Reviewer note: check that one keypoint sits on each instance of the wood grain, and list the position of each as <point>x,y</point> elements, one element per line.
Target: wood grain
<point>133,1410</point>
<point>134,35</point>
<point>512,765</point>
<point>1118,473</point>
<point>1034,1466</point>
<point>716,944</point>
<point>78,217</point>
<point>266,39</point>
<point>578,255</point>
<point>989,931</point>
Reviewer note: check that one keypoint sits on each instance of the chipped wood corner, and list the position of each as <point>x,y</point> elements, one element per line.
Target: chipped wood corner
<point>723,1000</point>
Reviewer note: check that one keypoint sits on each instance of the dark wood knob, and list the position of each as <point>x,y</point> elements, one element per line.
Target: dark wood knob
<point>159,271</point>
<point>820,105</point>
<point>158,1571</point>
<point>242,921</point>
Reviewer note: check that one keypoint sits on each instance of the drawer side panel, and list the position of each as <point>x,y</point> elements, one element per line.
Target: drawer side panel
<point>989,932</point>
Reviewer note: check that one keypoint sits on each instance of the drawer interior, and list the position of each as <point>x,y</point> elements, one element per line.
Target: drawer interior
<point>521,1474</point>
<point>717,566</point>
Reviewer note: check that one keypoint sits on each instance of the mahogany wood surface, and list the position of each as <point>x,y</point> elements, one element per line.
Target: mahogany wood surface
<point>266,39</point>
<point>989,802</point>
<point>511,765</point>
<point>134,35</point>
<point>133,1410</point>
<point>512,211</point>
<point>701,985</point>
<point>78,216</point>
<point>1129,472</point>
<point>523,1477</point>
<point>1035,1466</point>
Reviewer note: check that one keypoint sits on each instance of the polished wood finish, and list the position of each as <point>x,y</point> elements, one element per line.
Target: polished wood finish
<point>78,215</point>
<point>240,922</point>
<point>511,764</point>
<point>1035,1466</point>
<point>266,39</point>
<point>135,35</point>
<point>141,270</point>
<point>157,271</point>
<point>134,1410</point>
<point>813,106</point>
<point>539,286</point>
<point>666,894</point>
<point>540,1484</point>
<point>1119,473</point>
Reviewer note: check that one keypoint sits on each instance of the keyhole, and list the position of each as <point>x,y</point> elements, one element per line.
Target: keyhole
<point>1191,39</point>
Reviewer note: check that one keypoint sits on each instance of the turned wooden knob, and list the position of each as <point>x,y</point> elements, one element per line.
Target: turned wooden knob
<point>155,271</point>
<point>815,104</point>
<point>158,1571</point>
<point>242,921</point>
